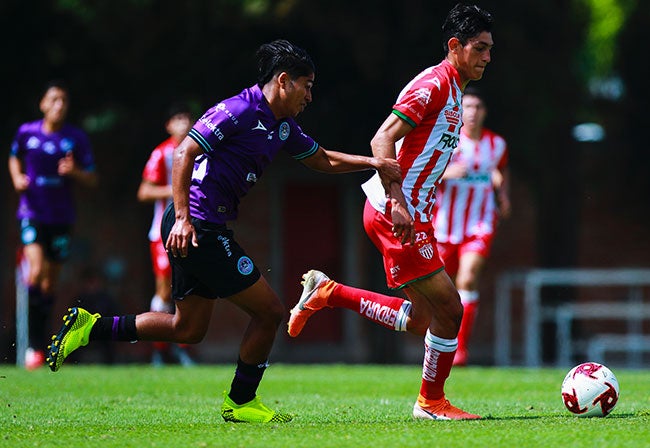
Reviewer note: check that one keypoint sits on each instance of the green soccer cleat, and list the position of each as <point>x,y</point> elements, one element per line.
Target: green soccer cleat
<point>252,412</point>
<point>73,334</point>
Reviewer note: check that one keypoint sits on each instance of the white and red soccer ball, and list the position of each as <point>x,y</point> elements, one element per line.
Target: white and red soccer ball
<point>590,390</point>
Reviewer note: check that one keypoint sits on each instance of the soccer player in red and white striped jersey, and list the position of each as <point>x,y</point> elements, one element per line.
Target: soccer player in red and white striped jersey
<point>426,119</point>
<point>474,193</point>
<point>156,187</point>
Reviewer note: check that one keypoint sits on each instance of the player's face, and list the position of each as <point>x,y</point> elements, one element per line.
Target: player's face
<point>474,56</point>
<point>474,112</point>
<point>298,94</point>
<point>54,105</point>
<point>179,125</point>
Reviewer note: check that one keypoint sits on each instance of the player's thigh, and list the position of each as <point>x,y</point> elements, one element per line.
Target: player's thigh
<point>470,266</point>
<point>35,256</point>
<point>259,300</point>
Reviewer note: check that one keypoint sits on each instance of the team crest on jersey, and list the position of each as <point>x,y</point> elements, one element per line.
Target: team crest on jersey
<point>245,265</point>
<point>284,131</point>
<point>426,251</point>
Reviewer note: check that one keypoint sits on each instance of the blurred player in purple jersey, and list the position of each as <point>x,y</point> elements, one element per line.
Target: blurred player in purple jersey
<point>223,156</point>
<point>47,157</point>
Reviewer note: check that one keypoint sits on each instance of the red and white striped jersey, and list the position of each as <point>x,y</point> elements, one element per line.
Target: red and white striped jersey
<point>466,206</point>
<point>431,104</point>
<point>158,171</point>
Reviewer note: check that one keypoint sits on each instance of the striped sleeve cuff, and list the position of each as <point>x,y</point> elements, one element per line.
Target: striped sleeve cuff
<point>202,142</point>
<point>307,153</point>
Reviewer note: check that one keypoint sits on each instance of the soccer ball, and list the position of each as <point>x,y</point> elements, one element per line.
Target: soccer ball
<point>590,390</point>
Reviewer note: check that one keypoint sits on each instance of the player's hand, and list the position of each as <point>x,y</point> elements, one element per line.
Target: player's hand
<point>505,208</point>
<point>21,183</point>
<point>455,170</point>
<point>179,238</point>
<point>497,179</point>
<point>389,171</point>
<point>66,164</point>
<point>403,224</point>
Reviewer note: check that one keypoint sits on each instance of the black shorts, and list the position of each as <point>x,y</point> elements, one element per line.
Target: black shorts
<point>218,267</point>
<point>55,238</point>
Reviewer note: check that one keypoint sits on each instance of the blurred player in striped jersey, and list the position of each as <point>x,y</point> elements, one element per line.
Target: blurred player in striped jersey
<point>156,187</point>
<point>473,194</point>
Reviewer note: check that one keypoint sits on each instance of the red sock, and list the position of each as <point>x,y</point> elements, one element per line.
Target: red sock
<point>438,359</point>
<point>160,346</point>
<point>467,324</point>
<point>390,312</point>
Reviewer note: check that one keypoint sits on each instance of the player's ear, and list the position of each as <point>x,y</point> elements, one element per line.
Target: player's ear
<point>454,44</point>
<point>283,79</point>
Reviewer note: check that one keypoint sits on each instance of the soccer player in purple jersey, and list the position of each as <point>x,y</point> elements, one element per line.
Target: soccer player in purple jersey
<point>223,156</point>
<point>47,157</point>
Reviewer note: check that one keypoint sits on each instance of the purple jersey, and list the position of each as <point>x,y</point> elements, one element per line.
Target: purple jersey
<point>240,136</point>
<point>49,198</point>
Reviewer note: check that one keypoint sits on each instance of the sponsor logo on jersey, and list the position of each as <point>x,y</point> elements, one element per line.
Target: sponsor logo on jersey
<point>49,147</point>
<point>448,141</point>
<point>377,312</point>
<point>212,127</point>
<point>259,126</point>
<point>284,131</point>
<point>423,96</point>
<point>33,143</point>
<point>222,107</point>
<point>245,265</point>
<point>452,116</point>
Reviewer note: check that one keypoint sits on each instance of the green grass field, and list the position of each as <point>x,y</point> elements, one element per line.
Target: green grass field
<point>335,406</point>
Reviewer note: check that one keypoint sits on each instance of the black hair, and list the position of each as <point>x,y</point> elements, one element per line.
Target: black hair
<point>282,56</point>
<point>474,91</point>
<point>178,108</point>
<point>464,22</point>
<point>55,84</point>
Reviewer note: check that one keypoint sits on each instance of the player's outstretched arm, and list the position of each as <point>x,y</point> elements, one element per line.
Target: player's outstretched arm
<point>333,162</point>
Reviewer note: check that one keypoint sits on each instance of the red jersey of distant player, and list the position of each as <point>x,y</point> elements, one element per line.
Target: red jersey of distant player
<point>466,210</point>
<point>158,171</point>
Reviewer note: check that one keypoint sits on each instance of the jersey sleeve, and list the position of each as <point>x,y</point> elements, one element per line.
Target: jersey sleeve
<point>17,144</point>
<point>299,145</point>
<point>420,97</point>
<point>503,160</point>
<point>154,170</point>
<point>82,151</point>
<point>220,122</point>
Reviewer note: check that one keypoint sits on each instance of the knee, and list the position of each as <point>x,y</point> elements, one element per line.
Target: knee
<point>454,308</point>
<point>189,334</point>
<point>276,313</point>
<point>418,326</point>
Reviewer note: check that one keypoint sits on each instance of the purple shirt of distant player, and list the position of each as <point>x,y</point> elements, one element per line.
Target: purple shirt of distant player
<point>240,136</point>
<point>49,199</point>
